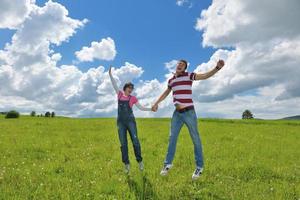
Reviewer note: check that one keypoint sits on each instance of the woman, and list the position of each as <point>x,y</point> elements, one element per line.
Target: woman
<point>126,122</point>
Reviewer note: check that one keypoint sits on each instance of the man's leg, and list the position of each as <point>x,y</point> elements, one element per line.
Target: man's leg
<point>176,125</point>
<point>122,130</point>
<point>190,119</point>
<point>135,140</point>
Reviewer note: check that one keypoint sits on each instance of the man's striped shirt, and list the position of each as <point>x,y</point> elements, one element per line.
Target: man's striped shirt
<point>181,86</point>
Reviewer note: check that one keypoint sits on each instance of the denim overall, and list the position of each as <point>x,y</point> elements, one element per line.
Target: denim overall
<point>126,122</point>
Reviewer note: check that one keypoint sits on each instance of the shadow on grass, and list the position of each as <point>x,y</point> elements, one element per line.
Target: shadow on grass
<point>199,190</point>
<point>143,192</point>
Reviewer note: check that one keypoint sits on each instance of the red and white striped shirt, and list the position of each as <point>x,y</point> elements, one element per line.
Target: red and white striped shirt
<point>181,86</point>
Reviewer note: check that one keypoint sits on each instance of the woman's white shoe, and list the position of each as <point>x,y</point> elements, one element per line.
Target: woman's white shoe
<point>127,168</point>
<point>198,171</point>
<point>141,166</point>
<point>165,169</point>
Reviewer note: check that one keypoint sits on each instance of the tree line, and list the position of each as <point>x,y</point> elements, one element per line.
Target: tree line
<point>247,114</point>
<point>47,114</point>
<point>16,114</point>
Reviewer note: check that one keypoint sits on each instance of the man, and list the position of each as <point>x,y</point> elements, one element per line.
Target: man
<point>181,85</point>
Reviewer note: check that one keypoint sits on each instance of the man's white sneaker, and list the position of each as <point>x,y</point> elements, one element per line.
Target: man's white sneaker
<point>141,166</point>
<point>165,169</point>
<point>127,168</point>
<point>198,171</point>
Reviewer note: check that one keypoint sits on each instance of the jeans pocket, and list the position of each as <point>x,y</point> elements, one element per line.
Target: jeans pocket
<point>193,113</point>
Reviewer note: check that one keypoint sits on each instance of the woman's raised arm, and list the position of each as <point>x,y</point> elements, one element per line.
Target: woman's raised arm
<point>113,81</point>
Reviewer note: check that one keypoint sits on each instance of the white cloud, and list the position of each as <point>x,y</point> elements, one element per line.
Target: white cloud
<point>56,57</point>
<point>128,72</point>
<point>231,22</point>
<point>265,37</point>
<point>181,2</point>
<point>28,70</point>
<point>31,79</point>
<point>103,50</point>
<point>13,12</point>
<point>48,24</point>
<point>29,66</point>
<point>171,65</point>
<point>263,105</point>
<point>187,3</point>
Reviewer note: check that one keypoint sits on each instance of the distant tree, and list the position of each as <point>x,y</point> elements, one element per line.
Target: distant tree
<point>12,114</point>
<point>53,114</point>
<point>247,114</point>
<point>47,114</point>
<point>33,114</point>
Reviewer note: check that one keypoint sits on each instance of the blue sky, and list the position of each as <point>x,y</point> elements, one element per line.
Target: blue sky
<point>146,33</point>
<point>260,49</point>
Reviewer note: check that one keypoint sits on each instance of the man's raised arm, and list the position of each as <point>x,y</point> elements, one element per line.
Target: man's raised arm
<point>160,99</point>
<point>203,76</point>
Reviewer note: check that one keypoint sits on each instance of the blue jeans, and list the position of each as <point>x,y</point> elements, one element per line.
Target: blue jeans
<point>189,118</point>
<point>130,126</point>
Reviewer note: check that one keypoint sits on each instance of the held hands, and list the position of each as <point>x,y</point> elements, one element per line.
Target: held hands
<point>154,108</point>
<point>220,64</point>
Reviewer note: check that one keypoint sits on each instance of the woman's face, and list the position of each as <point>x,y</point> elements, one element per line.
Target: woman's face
<point>128,90</point>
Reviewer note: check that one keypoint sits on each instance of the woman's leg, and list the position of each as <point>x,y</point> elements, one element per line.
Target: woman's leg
<point>122,130</point>
<point>135,140</point>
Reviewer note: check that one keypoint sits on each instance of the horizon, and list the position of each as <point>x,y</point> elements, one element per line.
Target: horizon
<point>167,117</point>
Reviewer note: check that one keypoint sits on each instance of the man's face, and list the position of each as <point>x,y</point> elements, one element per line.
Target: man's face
<point>180,67</point>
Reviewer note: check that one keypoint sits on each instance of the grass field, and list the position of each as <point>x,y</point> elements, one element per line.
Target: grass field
<point>63,158</point>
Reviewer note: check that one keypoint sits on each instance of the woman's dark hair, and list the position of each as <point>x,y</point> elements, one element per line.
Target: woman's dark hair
<point>185,62</point>
<point>127,85</point>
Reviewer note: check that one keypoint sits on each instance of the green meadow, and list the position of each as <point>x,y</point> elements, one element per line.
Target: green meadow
<point>64,158</point>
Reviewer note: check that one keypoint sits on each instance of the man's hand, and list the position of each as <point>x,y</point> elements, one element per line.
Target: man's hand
<point>220,64</point>
<point>203,76</point>
<point>154,108</point>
